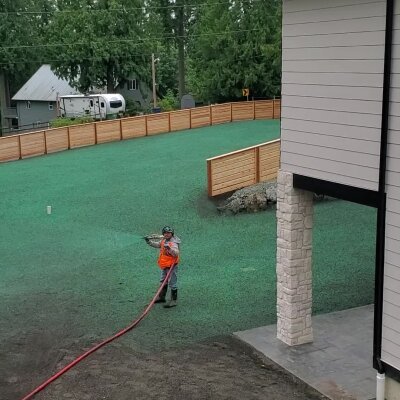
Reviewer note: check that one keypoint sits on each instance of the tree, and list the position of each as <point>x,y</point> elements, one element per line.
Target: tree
<point>236,45</point>
<point>98,43</point>
<point>21,27</point>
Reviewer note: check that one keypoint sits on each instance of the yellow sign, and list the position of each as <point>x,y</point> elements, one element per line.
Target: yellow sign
<point>246,92</point>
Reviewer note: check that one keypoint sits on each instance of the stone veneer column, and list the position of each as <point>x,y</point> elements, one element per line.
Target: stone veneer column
<point>293,268</point>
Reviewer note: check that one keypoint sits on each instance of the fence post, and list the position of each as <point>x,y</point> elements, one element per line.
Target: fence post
<point>231,112</point>
<point>210,115</point>
<point>273,108</point>
<point>190,118</point>
<point>45,142</point>
<point>169,121</point>
<point>69,138</point>
<point>209,178</point>
<point>95,133</point>
<point>254,110</point>
<point>257,164</point>
<point>145,122</point>
<point>120,129</point>
<point>20,147</point>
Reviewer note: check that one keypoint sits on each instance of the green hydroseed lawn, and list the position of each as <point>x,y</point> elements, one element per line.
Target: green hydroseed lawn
<point>84,270</point>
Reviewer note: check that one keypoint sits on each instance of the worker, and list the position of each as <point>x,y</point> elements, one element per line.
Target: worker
<point>168,258</point>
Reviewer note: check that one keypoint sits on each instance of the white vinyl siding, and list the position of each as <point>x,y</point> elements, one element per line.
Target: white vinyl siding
<point>391,295</point>
<point>332,77</point>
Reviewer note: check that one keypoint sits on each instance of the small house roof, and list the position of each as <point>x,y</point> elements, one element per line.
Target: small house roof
<point>44,86</point>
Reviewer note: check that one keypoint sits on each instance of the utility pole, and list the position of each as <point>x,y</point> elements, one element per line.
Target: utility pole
<point>153,68</point>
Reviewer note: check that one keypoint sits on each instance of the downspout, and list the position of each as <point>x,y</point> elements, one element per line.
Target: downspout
<point>381,214</point>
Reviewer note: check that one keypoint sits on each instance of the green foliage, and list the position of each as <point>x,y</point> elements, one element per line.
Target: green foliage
<point>235,46</point>
<point>101,42</point>
<point>169,102</point>
<point>60,122</point>
<point>133,108</point>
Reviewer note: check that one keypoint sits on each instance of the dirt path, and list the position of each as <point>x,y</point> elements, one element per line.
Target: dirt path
<point>223,368</point>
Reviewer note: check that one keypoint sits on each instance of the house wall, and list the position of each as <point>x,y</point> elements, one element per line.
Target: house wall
<point>332,78</point>
<point>39,111</point>
<point>391,294</point>
<point>142,95</point>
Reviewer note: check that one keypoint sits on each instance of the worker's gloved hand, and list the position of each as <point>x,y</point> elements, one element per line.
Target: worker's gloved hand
<point>166,245</point>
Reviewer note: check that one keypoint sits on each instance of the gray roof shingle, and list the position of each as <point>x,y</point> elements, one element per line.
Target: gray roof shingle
<point>44,86</point>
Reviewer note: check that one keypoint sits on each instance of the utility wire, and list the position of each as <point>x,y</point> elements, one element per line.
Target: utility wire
<point>129,40</point>
<point>83,10</point>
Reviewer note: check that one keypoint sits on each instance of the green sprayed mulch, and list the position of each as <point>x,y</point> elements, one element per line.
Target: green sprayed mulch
<point>84,269</point>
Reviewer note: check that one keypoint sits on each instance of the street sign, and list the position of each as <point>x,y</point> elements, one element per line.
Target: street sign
<point>246,92</point>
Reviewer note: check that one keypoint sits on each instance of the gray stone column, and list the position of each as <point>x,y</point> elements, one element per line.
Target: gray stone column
<point>293,268</point>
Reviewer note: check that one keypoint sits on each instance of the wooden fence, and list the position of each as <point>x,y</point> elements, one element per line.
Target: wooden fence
<point>243,168</point>
<point>52,140</point>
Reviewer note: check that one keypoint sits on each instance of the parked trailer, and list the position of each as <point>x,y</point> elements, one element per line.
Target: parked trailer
<point>97,106</point>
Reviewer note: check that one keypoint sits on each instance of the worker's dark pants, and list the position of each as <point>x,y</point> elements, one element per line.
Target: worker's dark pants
<point>173,279</point>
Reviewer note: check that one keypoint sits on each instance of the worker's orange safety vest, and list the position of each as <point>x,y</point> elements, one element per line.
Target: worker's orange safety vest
<point>165,260</point>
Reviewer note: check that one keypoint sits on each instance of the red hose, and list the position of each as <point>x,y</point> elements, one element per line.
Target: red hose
<point>98,346</point>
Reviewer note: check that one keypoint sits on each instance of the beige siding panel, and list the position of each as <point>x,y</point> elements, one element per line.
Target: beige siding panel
<point>340,39</point>
<point>393,178</point>
<point>333,142</point>
<point>332,104</point>
<point>392,245</point>
<point>9,148</point>
<point>221,113</point>
<point>332,129</point>
<point>180,120</point>
<point>346,118</point>
<point>331,27</point>
<point>395,80</point>
<point>242,111</point>
<point>344,156</point>
<point>336,13</point>
<point>389,359</point>
<point>201,116</point>
<point>290,6</point>
<point>334,53</point>
<point>57,139</point>
<point>391,334</point>
<point>391,309</point>
<point>264,109</point>
<point>108,131</point>
<point>392,231</point>
<point>82,135</point>
<point>394,259</point>
<point>345,81</point>
<point>393,192</point>
<point>341,93</point>
<point>133,127</point>
<point>391,297</point>
<point>33,144</point>
<point>157,123</point>
<point>338,66</point>
<point>327,174</point>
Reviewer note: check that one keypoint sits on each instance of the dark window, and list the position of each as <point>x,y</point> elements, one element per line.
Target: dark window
<point>28,104</point>
<point>116,104</point>
<point>91,103</point>
<point>102,105</point>
<point>132,84</point>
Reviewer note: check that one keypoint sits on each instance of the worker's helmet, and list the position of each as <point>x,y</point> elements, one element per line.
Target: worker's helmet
<point>167,229</point>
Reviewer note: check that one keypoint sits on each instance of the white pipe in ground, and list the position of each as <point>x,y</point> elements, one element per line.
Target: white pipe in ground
<point>380,386</point>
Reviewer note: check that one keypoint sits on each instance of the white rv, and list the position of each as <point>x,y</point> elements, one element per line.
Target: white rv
<point>97,106</point>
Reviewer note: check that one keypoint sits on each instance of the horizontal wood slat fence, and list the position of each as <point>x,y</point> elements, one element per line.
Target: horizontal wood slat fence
<point>242,168</point>
<point>38,143</point>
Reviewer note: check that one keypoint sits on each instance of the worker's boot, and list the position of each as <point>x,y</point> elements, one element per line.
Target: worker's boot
<point>161,296</point>
<point>174,298</point>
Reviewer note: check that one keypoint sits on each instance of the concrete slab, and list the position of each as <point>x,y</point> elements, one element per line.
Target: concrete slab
<point>339,361</point>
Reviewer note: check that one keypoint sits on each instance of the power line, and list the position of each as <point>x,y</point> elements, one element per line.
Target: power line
<point>129,40</point>
<point>173,7</point>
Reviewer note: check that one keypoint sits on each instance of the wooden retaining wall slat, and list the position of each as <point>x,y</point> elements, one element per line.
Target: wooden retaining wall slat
<point>200,116</point>
<point>242,111</point>
<point>157,123</point>
<point>133,127</point>
<point>59,139</point>
<point>56,139</point>
<point>33,144</point>
<point>243,168</point>
<point>10,148</point>
<point>221,113</point>
<point>82,135</point>
<point>179,120</point>
<point>108,131</point>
